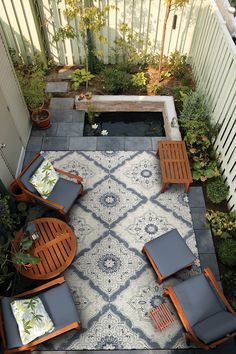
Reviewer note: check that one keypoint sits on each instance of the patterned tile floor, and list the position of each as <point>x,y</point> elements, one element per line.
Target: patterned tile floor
<point>196,201</point>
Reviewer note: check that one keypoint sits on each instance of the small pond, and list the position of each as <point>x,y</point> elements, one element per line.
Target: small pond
<point>127,124</point>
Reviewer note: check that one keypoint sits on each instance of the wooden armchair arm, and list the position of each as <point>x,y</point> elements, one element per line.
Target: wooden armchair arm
<point>42,287</point>
<point>68,174</point>
<point>208,273</point>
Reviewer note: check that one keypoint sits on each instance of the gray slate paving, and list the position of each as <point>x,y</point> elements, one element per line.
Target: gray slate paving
<point>61,103</point>
<point>199,218</point>
<point>209,260</point>
<point>34,143</point>
<point>83,143</point>
<point>78,116</point>
<point>155,141</point>
<point>138,143</point>
<point>196,197</point>
<point>62,115</point>
<point>54,87</point>
<point>204,241</point>
<point>70,129</point>
<point>52,131</point>
<point>55,143</point>
<point>110,143</point>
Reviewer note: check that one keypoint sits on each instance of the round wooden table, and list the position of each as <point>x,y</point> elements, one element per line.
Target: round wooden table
<point>56,248</point>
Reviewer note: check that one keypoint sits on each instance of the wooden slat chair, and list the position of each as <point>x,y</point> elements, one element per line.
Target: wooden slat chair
<point>60,306</point>
<point>63,194</point>
<point>205,313</point>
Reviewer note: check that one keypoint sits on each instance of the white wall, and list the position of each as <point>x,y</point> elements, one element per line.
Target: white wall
<point>14,116</point>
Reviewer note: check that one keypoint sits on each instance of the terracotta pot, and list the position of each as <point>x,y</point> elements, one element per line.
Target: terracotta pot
<point>41,118</point>
<point>18,194</point>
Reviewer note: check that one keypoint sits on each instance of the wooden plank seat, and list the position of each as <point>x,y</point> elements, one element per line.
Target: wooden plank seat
<point>162,317</point>
<point>174,163</point>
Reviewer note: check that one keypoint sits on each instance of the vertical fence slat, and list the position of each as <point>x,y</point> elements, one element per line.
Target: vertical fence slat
<point>213,56</point>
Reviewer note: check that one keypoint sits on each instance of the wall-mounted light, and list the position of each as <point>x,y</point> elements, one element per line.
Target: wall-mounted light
<point>174,22</point>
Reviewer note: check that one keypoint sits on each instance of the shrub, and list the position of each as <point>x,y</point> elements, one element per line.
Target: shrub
<point>139,79</point>
<point>194,120</point>
<point>116,81</point>
<point>222,224</point>
<point>179,68</point>
<point>78,77</point>
<point>217,190</point>
<point>156,89</point>
<point>194,107</point>
<point>33,87</point>
<point>227,252</point>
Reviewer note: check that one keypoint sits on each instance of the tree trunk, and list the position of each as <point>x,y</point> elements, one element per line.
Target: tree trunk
<point>168,7</point>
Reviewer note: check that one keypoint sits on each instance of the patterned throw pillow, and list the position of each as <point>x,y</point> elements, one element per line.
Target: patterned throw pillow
<point>32,319</point>
<point>44,179</point>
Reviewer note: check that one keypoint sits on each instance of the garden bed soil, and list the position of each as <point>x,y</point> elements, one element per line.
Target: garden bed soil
<point>96,85</point>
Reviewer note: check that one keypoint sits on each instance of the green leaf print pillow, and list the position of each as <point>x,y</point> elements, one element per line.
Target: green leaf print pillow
<point>32,319</point>
<point>44,179</point>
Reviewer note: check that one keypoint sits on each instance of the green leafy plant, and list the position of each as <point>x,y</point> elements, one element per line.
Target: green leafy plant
<point>170,5</point>
<point>23,257</point>
<point>181,92</point>
<point>129,47</point>
<point>222,224</point>
<point>91,20</point>
<point>78,77</point>
<point>227,252</point>
<point>156,89</point>
<point>92,114</point>
<point>194,121</point>
<point>33,87</point>
<point>217,190</point>
<point>139,80</point>
<point>115,81</point>
<point>179,68</point>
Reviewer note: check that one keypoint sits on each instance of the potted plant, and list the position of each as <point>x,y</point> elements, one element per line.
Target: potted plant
<point>20,255</point>
<point>32,82</point>
<point>10,221</point>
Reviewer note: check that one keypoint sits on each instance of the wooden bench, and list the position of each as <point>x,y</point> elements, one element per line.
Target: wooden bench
<point>174,163</point>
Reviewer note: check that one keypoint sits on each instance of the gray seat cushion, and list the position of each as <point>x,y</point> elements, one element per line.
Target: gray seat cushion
<point>215,327</point>
<point>198,299</point>
<point>65,193</point>
<point>29,173</point>
<point>58,303</point>
<point>169,252</point>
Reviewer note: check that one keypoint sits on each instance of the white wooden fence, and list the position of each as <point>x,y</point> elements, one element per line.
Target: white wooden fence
<point>213,59</point>
<point>29,27</point>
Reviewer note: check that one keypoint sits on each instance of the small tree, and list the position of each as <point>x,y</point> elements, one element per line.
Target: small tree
<point>91,20</point>
<point>170,5</point>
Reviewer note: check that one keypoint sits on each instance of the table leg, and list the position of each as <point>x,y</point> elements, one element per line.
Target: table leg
<point>186,187</point>
<point>163,187</point>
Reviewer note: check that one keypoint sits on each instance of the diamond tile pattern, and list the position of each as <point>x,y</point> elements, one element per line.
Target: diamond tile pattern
<point>113,283</point>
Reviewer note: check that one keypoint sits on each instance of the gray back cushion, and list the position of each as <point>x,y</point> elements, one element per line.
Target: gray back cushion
<point>29,173</point>
<point>198,299</point>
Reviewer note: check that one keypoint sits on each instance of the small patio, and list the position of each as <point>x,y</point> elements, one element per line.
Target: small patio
<point>106,162</point>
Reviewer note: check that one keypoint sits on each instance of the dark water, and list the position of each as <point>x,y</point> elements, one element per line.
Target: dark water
<point>128,124</point>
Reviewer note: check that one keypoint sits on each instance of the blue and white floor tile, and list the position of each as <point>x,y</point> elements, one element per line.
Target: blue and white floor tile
<point>112,282</point>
